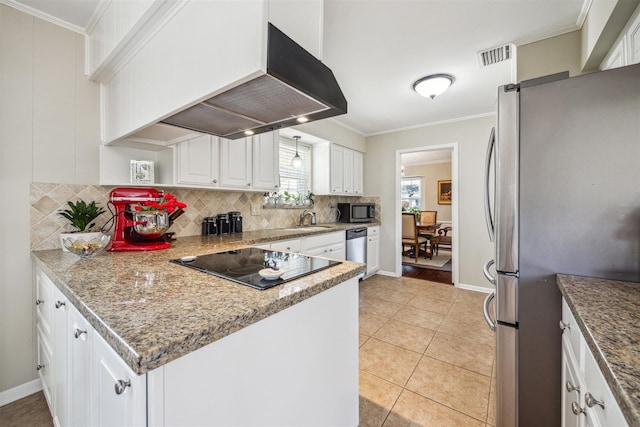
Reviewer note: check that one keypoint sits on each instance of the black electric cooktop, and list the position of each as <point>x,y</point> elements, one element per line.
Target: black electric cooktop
<point>242,265</point>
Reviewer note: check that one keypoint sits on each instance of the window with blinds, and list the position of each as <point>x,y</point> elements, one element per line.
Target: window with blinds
<point>295,180</point>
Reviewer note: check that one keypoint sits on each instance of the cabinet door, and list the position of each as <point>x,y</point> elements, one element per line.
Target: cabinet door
<point>617,57</point>
<point>266,161</point>
<point>60,360</point>
<point>373,252</point>
<point>80,334</point>
<point>358,177</point>
<point>337,169</point>
<point>197,161</point>
<point>235,163</point>
<point>119,397</point>
<point>347,160</point>
<point>633,39</point>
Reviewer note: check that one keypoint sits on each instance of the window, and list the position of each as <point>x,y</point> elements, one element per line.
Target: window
<point>295,180</point>
<point>411,188</point>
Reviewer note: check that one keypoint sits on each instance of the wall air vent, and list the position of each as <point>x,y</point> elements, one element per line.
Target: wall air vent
<point>497,54</point>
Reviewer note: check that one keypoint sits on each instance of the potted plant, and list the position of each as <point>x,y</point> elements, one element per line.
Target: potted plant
<point>82,217</point>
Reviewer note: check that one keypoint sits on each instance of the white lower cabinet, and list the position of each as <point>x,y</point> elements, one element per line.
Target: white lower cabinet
<point>120,396</point>
<point>329,245</point>
<point>84,381</point>
<point>44,366</point>
<point>373,250</point>
<point>80,336</point>
<point>292,245</point>
<point>587,400</point>
<point>60,361</point>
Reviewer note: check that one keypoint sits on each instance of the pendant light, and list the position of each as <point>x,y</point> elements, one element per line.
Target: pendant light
<point>296,162</point>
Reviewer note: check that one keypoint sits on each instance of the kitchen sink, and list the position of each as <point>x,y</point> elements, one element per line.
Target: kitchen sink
<point>308,228</point>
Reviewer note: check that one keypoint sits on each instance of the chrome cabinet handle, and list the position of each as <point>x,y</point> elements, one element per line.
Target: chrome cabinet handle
<point>39,301</point>
<point>121,386</point>
<point>487,274</point>
<point>571,388</point>
<point>485,310</point>
<point>248,184</point>
<point>576,409</point>
<point>60,304</point>
<point>39,367</point>
<point>215,181</point>
<point>564,325</point>
<point>591,401</point>
<point>78,332</point>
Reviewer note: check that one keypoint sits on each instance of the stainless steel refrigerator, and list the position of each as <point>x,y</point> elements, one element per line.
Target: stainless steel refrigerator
<point>565,163</point>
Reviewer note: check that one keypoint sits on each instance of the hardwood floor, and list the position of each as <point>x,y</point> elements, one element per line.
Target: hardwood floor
<point>440,276</point>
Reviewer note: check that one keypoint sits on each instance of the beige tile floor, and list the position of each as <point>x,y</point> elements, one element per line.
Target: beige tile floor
<point>426,355</point>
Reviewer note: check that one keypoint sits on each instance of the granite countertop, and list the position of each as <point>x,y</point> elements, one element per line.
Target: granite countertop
<point>607,313</point>
<point>152,311</point>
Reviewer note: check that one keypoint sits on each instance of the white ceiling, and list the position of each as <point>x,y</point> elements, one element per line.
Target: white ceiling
<point>378,48</point>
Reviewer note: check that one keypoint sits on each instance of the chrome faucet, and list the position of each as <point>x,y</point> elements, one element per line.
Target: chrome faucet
<point>306,213</point>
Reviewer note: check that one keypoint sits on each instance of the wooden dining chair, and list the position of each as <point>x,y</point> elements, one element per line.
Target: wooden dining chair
<point>410,236</point>
<point>428,218</point>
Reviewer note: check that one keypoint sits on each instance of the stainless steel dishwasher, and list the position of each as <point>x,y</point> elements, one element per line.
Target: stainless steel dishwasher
<point>357,246</point>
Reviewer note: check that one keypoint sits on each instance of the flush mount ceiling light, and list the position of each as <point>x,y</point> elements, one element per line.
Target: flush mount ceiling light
<point>296,162</point>
<point>433,85</point>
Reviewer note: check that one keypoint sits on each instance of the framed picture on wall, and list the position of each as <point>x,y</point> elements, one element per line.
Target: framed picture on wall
<point>444,192</point>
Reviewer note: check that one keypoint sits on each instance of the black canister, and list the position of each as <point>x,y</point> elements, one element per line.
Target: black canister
<point>235,219</point>
<point>212,226</point>
<point>222,221</point>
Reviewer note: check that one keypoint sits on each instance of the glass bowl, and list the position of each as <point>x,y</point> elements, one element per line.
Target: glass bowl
<point>84,248</point>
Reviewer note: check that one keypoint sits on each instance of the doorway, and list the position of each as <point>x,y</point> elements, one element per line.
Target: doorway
<point>427,180</point>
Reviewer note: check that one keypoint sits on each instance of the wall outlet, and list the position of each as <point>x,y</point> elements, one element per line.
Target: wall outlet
<point>255,210</point>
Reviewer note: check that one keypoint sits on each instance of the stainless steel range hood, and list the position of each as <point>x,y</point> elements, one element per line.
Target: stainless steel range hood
<point>296,88</point>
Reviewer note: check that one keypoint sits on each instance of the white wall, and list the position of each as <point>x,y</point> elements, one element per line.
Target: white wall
<point>49,131</point>
<point>471,136</point>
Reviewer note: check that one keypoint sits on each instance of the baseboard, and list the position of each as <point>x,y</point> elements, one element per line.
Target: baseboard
<point>387,273</point>
<point>18,392</point>
<point>475,288</point>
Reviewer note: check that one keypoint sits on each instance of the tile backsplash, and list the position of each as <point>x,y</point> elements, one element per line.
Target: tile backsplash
<point>48,198</point>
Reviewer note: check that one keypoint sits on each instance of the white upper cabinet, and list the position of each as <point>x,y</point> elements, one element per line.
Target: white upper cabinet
<point>266,161</point>
<point>197,161</point>
<point>358,173</point>
<point>247,164</point>
<point>626,49</point>
<point>344,167</point>
<point>235,163</point>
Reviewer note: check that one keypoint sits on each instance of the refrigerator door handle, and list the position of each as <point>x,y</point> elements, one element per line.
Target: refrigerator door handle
<point>487,274</point>
<point>485,309</point>
<point>487,175</point>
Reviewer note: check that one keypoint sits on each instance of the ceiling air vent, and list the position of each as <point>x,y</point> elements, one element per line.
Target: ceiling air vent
<point>495,55</point>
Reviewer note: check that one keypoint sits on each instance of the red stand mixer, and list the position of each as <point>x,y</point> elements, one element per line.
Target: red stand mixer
<point>138,230</point>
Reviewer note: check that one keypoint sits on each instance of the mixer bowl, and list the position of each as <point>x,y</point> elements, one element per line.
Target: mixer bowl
<point>151,224</point>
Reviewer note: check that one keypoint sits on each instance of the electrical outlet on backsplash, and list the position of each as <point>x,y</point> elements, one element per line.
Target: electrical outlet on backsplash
<point>48,198</point>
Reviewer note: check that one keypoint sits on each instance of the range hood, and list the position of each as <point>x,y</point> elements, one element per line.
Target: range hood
<point>296,88</point>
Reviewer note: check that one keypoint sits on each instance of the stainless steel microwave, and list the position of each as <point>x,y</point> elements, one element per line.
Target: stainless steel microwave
<point>357,212</point>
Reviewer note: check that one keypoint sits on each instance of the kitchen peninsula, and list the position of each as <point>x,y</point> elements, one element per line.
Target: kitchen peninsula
<point>204,350</point>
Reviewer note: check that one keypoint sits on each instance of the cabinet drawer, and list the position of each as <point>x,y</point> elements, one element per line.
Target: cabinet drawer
<point>44,301</point>
<point>44,358</point>
<point>596,385</point>
<point>327,239</point>
<point>571,332</point>
<point>373,231</point>
<point>292,245</point>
